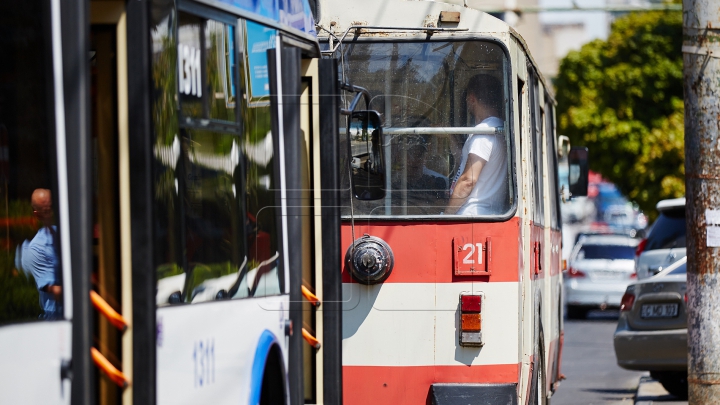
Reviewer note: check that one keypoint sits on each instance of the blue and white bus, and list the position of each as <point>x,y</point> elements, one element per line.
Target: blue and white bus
<point>170,212</point>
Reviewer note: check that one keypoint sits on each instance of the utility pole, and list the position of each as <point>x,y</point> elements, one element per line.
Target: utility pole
<point>701,72</point>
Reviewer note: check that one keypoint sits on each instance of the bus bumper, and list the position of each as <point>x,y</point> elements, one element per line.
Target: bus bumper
<point>480,394</point>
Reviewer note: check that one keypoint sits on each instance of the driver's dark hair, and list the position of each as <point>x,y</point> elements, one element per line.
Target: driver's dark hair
<point>487,89</point>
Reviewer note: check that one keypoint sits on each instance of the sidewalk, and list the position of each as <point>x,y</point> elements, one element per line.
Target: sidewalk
<point>651,392</point>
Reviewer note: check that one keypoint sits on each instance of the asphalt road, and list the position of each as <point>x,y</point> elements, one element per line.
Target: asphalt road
<point>588,362</point>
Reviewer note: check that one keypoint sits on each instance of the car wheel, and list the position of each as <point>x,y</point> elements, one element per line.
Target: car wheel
<point>675,382</point>
<point>574,312</point>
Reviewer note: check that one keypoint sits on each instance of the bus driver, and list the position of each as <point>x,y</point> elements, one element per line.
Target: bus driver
<point>480,184</point>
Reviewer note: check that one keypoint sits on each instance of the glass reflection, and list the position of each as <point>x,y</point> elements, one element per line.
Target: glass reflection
<point>30,273</point>
<point>216,227</point>
<point>214,224</point>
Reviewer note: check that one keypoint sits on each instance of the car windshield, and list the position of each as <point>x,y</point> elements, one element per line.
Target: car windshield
<point>425,95</point>
<point>609,252</point>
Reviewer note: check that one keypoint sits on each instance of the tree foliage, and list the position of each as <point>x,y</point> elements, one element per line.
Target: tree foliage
<point>623,99</point>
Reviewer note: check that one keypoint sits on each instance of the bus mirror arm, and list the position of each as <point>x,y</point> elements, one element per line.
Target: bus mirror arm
<point>361,92</point>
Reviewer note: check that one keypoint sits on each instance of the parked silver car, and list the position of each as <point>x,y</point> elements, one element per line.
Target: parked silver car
<point>600,268</point>
<point>652,328</point>
<point>665,242</point>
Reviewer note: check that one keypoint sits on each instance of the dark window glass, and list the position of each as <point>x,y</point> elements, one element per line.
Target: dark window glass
<point>168,227</point>
<point>551,153</point>
<point>30,274</point>
<point>214,220</point>
<point>263,205</point>
<point>610,252</point>
<point>216,190</point>
<point>668,231</point>
<point>536,151</point>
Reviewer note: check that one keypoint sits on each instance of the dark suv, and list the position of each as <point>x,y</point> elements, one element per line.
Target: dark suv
<point>665,242</point>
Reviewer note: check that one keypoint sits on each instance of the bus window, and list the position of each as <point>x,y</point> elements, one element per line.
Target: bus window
<point>30,274</point>
<point>213,214</point>
<point>265,274</point>
<point>552,164</point>
<point>216,230</point>
<point>222,70</point>
<point>168,238</point>
<point>207,69</point>
<point>443,104</point>
<point>536,134</point>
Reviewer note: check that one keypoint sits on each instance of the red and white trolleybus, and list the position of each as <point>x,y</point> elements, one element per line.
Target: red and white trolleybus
<point>446,296</point>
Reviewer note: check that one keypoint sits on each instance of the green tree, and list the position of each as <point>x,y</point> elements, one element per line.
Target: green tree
<point>623,99</point>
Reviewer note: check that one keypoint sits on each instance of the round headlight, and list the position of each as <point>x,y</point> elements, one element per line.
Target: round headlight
<point>371,261</point>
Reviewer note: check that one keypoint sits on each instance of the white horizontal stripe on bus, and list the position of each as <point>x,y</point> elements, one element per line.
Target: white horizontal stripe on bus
<point>416,324</point>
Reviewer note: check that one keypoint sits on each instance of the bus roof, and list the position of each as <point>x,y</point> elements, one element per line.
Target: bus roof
<point>338,16</point>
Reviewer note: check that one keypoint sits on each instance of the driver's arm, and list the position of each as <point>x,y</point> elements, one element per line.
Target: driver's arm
<point>466,183</point>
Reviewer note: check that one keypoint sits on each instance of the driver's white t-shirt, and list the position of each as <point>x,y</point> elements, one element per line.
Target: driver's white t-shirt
<point>490,194</point>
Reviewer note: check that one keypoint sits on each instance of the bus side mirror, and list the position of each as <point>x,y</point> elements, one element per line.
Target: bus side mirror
<point>578,171</point>
<point>367,158</point>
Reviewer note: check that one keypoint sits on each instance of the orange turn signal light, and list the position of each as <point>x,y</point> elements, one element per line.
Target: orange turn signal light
<point>471,322</point>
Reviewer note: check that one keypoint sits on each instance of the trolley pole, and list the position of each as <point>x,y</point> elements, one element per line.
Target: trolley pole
<point>701,71</point>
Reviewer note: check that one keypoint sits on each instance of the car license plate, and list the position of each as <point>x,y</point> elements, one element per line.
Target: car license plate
<point>659,311</point>
<point>607,275</point>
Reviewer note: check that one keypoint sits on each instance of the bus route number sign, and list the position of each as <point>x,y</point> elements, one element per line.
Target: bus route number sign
<point>471,257</point>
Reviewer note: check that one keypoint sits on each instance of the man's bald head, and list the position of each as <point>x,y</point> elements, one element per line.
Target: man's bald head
<point>41,202</point>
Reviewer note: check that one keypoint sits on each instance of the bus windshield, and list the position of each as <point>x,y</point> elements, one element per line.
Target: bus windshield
<point>446,142</point>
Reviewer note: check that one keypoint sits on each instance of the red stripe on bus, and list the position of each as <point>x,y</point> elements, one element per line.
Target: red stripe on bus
<point>537,248</point>
<point>424,250</point>
<point>364,385</point>
<point>546,247</point>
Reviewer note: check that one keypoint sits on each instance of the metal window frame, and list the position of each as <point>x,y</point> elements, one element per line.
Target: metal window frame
<point>509,129</point>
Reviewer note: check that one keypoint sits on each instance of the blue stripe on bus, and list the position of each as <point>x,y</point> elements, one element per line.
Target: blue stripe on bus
<point>267,340</point>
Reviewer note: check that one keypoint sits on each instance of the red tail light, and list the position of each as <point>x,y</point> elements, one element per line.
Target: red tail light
<point>575,273</point>
<point>627,301</point>
<point>640,247</point>
<point>633,276</point>
<point>471,319</point>
<point>470,303</point>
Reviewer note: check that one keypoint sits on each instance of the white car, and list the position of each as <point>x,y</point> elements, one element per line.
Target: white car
<point>665,243</point>
<point>600,269</point>
<point>578,209</point>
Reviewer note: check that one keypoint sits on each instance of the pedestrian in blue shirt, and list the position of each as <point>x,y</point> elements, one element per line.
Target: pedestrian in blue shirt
<point>40,259</point>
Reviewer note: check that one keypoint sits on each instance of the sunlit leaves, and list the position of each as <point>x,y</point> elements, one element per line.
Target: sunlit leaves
<point>623,98</point>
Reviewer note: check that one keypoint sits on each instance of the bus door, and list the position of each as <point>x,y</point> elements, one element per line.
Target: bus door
<point>307,114</point>
<point>110,278</point>
<point>40,124</point>
<point>555,329</point>
<point>321,283</point>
